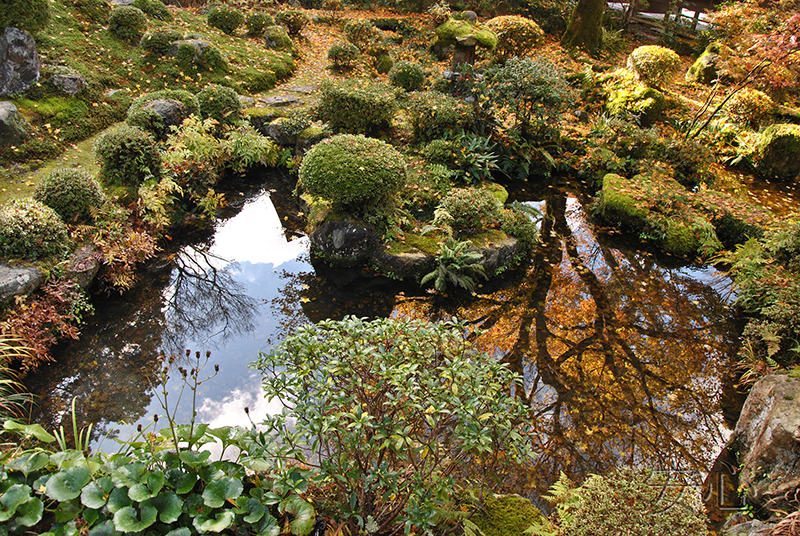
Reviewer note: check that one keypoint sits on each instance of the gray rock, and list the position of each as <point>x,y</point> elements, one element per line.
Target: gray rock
<point>407,265</point>
<point>752,527</point>
<point>247,102</point>
<point>18,280</point>
<point>767,438</point>
<point>278,132</point>
<point>344,244</point>
<point>281,100</point>
<point>464,52</point>
<point>307,89</point>
<point>115,3</point>
<point>470,16</point>
<point>498,255</point>
<point>171,111</point>
<point>199,45</point>
<point>261,122</point>
<point>704,69</point>
<point>13,127</point>
<point>83,266</point>
<point>70,84</point>
<point>19,63</point>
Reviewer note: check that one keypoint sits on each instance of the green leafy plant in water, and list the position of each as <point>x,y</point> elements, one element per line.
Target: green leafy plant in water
<point>457,266</point>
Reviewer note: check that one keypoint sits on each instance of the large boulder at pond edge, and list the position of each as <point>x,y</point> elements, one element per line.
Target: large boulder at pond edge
<point>642,102</point>
<point>13,127</point>
<point>778,151</point>
<point>19,64</point>
<point>18,280</point>
<point>344,243</point>
<point>767,439</point>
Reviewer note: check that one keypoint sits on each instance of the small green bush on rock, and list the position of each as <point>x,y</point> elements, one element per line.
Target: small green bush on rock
<point>220,103</point>
<point>516,36</point>
<point>472,210</point>
<point>128,156</point>
<point>31,230</point>
<point>343,55</point>
<point>407,75</point>
<point>654,65</point>
<point>225,18</point>
<point>71,193</point>
<point>277,37</point>
<point>128,23</point>
<point>154,8</point>
<point>294,20</point>
<point>258,22</point>
<point>353,172</point>
<point>357,106</point>
<point>157,43</point>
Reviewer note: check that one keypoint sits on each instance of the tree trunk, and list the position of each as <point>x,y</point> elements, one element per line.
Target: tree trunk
<point>584,27</point>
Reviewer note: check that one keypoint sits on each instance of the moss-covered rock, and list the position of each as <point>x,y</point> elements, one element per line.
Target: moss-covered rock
<point>644,102</point>
<point>453,30</point>
<point>778,151</point>
<point>704,69</point>
<point>679,239</point>
<point>507,515</point>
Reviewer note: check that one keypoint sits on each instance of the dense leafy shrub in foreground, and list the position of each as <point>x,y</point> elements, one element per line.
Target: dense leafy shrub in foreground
<point>516,36</point>
<point>407,75</point>
<point>128,156</point>
<point>357,106</point>
<point>472,210</point>
<point>220,103</point>
<point>128,23</point>
<point>353,171</point>
<point>225,18</point>
<point>31,230</point>
<point>71,193</point>
<point>750,106</point>
<point>654,65</point>
<point>400,413</point>
<point>294,20</point>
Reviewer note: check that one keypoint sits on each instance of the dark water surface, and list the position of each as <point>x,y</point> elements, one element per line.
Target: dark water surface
<point>626,356</point>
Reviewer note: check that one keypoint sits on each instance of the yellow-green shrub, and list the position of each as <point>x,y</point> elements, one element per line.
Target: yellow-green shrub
<point>654,65</point>
<point>516,36</point>
<point>31,230</point>
<point>750,106</point>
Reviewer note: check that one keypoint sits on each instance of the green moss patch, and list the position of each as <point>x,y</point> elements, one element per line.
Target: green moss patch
<point>507,515</point>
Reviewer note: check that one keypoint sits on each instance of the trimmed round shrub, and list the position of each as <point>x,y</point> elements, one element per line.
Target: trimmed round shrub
<point>357,106</point>
<point>362,33</point>
<point>128,156</point>
<point>71,193</point>
<point>31,230</point>
<point>225,18</point>
<point>433,114</point>
<point>28,15</point>
<point>96,11</point>
<point>750,106</point>
<point>343,54</point>
<point>155,9</point>
<point>220,103</point>
<point>654,65</point>
<point>158,42</point>
<point>277,38</point>
<point>443,152</point>
<point>353,172</point>
<point>189,57</point>
<point>294,20</point>
<point>127,23</point>
<point>472,209</point>
<point>407,75</point>
<point>143,114</point>
<point>516,36</point>
<point>258,22</point>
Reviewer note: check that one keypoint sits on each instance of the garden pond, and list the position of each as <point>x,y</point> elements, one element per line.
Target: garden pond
<point>626,355</point>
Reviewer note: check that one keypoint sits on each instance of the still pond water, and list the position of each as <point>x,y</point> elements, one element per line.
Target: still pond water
<point>626,356</point>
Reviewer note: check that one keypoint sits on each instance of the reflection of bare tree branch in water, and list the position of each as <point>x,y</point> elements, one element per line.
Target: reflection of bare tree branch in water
<point>621,356</point>
<point>205,300</point>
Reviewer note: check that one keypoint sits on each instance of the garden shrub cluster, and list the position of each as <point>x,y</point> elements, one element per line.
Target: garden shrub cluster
<point>31,230</point>
<point>654,65</point>
<point>128,156</point>
<point>362,33</point>
<point>353,172</point>
<point>28,15</point>
<point>72,193</point>
<point>128,23</point>
<point>294,20</point>
<point>357,106</point>
<point>471,210</point>
<point>434,114</point>
<point>516,36</point>
<point>750,107</point>
<point>96,11</point>
<point>343,55</point>
<point>407,75</point>
<point>277,37</point>
<point>225,18</point>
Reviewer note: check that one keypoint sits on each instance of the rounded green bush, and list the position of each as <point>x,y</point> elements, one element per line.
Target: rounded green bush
<point>357,106</point>
<point>654,65</point>
<point>258,22</point>
<point>142,116</point>
<point>277,38</point>
<point>31,230</point>
<point>154,8</point>
<point>127,23</point>
<point>516,36</point>
<point>433,114</point>
<point>519,225</point>
<point>188,57</point>
<point>294,20</point>
<point>225,18</point>
<point>343,54</point>
<point>353,172</point>
<point>362,33</point>
<point>158,42</point>
<point>96,11</point>
<point>71,193</point>
<point>407,75</point>
<point>750,107</point>
<point>220,103</point>
<point>472,209</point>
<point>128,156</point>
<point>28,15</point>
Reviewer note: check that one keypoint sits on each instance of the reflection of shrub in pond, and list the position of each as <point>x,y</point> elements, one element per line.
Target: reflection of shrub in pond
<point>72,193</point>
<point>31,230</point>
<point>353,172</point>
<point>409,401</point>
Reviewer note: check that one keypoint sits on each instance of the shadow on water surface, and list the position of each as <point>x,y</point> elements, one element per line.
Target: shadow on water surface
<point>624,355</point>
